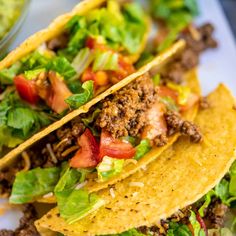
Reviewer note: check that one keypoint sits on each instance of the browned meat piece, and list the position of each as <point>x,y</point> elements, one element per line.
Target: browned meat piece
<point>160,141</point>
<point>189,58</point>
<point>192,131</point>
<point>26,227</point>
<point>124,112</point>
<point>58,43</point>
<point>215,215</point>
<point>176,124</point>
<point>5,232</point>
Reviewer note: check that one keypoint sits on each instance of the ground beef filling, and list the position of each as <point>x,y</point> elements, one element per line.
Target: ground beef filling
<point>26,227</point>
<point>176,124</point>
<point>123,113</point>
<point>190,56</point>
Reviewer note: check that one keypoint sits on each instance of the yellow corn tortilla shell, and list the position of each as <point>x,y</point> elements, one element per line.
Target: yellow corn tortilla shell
<point>158,61</point>
<point>54,29</point>
<point>179,177</point>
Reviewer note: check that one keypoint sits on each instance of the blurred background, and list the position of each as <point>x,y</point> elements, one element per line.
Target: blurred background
<point>42,12</point>
<point>229,7</point>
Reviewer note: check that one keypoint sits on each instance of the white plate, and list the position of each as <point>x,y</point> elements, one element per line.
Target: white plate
<point>217,66</point>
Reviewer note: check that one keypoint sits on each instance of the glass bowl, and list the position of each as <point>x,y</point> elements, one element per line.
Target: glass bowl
<point>10,36</point>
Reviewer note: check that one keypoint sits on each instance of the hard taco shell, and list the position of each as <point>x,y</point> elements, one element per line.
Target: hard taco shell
<point>179,177</point>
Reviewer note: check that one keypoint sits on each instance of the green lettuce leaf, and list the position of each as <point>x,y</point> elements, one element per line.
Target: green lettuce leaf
<point>207,201</point>
<point>34,183</point>
<point>82,61</point>
<point>177,229</point>
<point>196,225</point>
<point>77,100</point>
<point>18,120</point>
<point>169,103</point>
<point>34,61</point>
<point>105,61</point>
<point>109,167</point>
<point>7,75</point>
<point>32,74</point>
<point>90,119</point>
<point>222,190</point>
<point>143,148</point>
<point>62,66</point>
<point>74,204</point>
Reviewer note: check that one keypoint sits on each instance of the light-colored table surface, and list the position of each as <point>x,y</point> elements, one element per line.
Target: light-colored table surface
<point>216,65</point>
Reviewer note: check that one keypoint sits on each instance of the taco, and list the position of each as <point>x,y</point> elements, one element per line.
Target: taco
<point>109,142</point>
<point>148,202</point>
<point>63,67</point>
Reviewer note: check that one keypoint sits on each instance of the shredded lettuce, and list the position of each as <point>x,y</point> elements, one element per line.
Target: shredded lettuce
<point>156,79</point>
<point>207,201</point>
<point>7,75</point>
<point>74,204</point>
<point>82,61</point>
<point>176,14</point>
<point>77,100</point>
<point>109,167</point>
<point>178,229</point>
<point>118,28</point>
<point>32,74</point>
<point>196,225</point>
<point>33,183</point>
<point>105,61</point>
<point>62,66</point>
<point>34,61</point>
<point>89,122</point>
<point>18,120</point>
<point>130,139</point>
<point>143,148</point>
<point>169,103</point>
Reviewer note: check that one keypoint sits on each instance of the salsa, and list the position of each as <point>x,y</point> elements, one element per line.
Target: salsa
<point>10,11</point>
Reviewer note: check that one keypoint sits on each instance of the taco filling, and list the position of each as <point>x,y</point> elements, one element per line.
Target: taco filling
<point>97,145</point>
<point>94,52</point>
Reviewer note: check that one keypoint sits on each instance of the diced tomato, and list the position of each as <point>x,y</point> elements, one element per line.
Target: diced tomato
<point>192,100</point>
<point>165,91</point>
<point>90,42</point>
<point>26,89</point>
<point>100,78</point>
<point>125,69</point>
<point>115,148</point>
<point>202,223</point>
<point>93,43</point>
<point>156,122</point>
<point>58,93</point>
<point>87,156</point>
<point>88,75</point>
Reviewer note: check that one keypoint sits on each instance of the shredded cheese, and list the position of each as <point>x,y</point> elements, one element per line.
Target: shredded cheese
<point>136,184</point>
<point>26,158</point>
<point>112,192</point>
<point>81,185</point>
<point>69,150</point>
<point>49,147</point>
<point>48,195</point>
